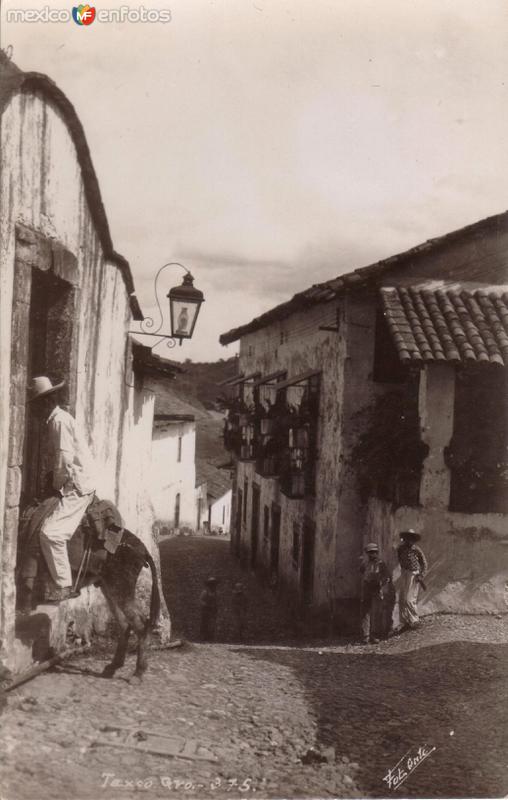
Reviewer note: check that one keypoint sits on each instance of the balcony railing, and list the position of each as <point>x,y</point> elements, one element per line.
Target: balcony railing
<point>280,438</point>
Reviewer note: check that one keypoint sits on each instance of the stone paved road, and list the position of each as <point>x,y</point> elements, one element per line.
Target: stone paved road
<point>260,709</point>
<point>254,716</point>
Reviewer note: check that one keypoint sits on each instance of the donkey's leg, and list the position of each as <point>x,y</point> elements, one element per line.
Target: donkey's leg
<point>121,650</point>
<point>141,659</point>
<point>119,657</point>
<point>139,624</point>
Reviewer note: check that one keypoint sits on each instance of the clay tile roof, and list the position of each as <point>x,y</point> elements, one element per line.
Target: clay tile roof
<point>448,324</point>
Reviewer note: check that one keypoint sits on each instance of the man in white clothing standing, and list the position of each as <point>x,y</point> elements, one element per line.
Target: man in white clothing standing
<point>72,466</point>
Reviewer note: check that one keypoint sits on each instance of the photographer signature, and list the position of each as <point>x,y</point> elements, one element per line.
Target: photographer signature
<point>396,776</point>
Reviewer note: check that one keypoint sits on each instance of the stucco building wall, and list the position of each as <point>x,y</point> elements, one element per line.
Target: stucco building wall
<point>47,227</point>
<point>297,345</point>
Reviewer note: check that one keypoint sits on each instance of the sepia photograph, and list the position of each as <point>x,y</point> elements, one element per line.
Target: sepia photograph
<point>253,399</point>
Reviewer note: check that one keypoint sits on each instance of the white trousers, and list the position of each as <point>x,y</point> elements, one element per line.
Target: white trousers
<point>56,531</point>
<point>408,597</point>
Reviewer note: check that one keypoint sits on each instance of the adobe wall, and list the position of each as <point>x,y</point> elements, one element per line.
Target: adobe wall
<point>42,188</point>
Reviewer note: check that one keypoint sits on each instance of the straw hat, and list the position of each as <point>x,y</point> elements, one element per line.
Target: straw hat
<point>410,534</point>
<point>42,386</point>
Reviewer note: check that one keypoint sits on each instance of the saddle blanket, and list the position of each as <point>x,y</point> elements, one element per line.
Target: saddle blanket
<point>101,526</point>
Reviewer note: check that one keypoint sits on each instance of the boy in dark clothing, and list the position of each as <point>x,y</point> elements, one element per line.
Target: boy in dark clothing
<point>375,576</point>
<point>209,606</point>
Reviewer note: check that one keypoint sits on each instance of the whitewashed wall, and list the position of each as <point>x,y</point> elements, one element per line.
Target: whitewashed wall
<point>170,476</point>
<point>42,187</point>
<point>297,345</point>
<point>220,513</point>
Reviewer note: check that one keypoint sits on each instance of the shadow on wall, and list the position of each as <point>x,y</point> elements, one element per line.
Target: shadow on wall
<point>375,708</point>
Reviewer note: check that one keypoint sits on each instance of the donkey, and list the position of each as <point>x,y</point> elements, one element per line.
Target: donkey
<point>110,557</point>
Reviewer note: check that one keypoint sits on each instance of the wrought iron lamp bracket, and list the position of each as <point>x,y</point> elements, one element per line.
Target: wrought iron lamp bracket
<point>148,323</point>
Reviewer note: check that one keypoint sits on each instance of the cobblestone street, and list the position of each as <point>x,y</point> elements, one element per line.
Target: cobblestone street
<point>282,720</point>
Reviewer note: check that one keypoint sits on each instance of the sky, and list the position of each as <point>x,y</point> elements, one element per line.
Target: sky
<point>271,145</point>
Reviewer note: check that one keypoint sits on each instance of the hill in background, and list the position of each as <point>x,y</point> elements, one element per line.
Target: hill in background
<point>199,380</point>
<point>195,390</point>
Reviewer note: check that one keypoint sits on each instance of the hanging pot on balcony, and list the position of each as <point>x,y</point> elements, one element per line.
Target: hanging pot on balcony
<point>295,482</point>
<point>246,452</point>
<point>298,437</point>
<point>267,426</point>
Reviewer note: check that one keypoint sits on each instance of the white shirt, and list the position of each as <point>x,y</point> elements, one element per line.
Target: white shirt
<point>70,455</point>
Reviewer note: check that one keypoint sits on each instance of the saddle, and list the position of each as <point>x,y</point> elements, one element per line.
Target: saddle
<point>99,534</point>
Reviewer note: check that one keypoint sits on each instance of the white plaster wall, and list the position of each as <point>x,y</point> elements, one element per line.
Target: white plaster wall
<point>171,476</point>
<point>134,489</point>
<point>41,186</point>
<point>220,513</point>
<point>303,347</point>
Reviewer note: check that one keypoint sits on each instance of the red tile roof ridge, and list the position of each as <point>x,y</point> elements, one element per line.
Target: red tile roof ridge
<point>433,321</point>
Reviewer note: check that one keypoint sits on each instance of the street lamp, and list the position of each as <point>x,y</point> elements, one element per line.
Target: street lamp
<point>184,304</point>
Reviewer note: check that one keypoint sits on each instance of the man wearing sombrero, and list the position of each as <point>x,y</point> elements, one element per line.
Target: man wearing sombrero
<point>413,565</point>
<point>71,465</point>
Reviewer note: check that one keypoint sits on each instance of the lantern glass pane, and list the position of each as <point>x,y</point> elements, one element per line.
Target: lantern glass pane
<point>183,315</point>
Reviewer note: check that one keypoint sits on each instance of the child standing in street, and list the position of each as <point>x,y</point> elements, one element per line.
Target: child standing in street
<point>375,576</point>
<point>209,608</point>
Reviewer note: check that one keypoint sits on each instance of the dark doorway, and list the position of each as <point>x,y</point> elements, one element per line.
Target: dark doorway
<point>275,540</point>
<point>307,574</point>
<point>50,328</point>
<point>254,526</point>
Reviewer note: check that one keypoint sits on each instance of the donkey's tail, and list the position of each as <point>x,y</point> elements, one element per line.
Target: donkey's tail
<point>155,599</point>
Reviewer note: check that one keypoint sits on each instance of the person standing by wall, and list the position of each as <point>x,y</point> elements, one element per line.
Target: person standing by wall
<point>375,576</point>
<point>72,478</point>
<point>413,565</point>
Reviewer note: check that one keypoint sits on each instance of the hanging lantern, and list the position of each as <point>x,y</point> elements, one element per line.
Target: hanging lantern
<point>184,304</point>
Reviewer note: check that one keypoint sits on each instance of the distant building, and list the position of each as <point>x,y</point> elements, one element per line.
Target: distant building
<point>174,472</point>
<point>372,403</point>
<point>219,512</point>
<point>215,485</point>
